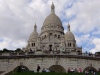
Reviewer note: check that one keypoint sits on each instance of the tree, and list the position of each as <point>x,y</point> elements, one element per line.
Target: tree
<point>97,53</point>
<point>5,50</point>
<point>18,50</point>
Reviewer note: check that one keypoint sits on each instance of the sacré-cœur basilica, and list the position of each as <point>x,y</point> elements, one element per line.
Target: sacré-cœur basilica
<point>52,37</point>
<point>52,49</point>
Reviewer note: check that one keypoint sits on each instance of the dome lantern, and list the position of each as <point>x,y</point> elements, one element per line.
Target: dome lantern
<point>35,27</point>
<point>68,27</point>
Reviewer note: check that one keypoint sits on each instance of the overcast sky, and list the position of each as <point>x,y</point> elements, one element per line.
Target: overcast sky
<point>17,19</point>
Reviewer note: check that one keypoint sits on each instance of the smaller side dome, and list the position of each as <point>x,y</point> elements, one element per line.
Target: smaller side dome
<point>69,35</point>
<point>34,34</point>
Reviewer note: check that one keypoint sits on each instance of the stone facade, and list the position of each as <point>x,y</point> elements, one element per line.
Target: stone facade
<point>52,36</point>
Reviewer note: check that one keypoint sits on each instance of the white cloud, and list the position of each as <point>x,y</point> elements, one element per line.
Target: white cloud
<point>83,39</point>
<point>86,15</point>
<point>96,42</point>
<point>97,32</point>
<point>10,44</point>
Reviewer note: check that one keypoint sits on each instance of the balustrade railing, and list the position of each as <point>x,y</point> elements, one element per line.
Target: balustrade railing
<point>49,52</point>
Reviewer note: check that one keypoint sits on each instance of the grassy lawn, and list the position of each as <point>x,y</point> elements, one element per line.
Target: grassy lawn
<point>31,73</point>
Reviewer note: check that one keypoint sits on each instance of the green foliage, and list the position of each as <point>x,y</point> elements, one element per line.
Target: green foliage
<point>97,53</point>
<point>5,50</point>
<point>18,50</point>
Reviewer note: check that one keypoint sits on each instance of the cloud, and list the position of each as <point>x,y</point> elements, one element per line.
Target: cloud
<point>96,42</point>
<point>17,18</point>
<point>85,41</point>
<point>86,15</point>
<point>9,44</point>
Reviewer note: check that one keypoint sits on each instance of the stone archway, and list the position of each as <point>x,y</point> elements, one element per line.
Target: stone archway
<point>20,68</point>
<point>90,69</point>
<point>57,68</point>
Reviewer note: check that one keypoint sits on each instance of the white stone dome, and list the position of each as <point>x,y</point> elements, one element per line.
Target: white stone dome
<point>52,22</point>
<point>69,35</point>
<point>52,19</point>
<point>34,34</point>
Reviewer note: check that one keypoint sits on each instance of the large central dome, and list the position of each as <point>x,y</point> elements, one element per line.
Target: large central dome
<point>52,19</point>
<point>52,22</point>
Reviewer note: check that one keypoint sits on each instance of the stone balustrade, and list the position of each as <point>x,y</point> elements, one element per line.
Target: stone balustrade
<point>47,53</point>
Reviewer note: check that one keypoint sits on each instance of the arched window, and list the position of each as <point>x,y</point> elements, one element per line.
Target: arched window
<point>32,45</point>
<point>70,44</point>
<point>58,36</point>
<point>50,34</point>
<point>45,36</point>
<point>55,35</point>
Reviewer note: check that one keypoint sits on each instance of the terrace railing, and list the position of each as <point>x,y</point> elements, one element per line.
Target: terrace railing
<point>48,53</point>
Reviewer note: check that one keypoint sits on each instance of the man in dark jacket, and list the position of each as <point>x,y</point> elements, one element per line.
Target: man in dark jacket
<point>38,68</point>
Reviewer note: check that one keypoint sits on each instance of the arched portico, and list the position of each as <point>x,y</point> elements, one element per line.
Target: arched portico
<point>90,69</point>
<point>57,68</point>
<point>21,68</point>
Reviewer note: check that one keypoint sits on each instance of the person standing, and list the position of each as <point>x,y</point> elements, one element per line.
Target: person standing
<point>38,68</point>
<point>94,73</point>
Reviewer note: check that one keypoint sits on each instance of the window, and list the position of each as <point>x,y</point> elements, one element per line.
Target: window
<point>70,44</point>
<point>50,34</point>
<point>45,36</point>
<point>32,44</point>
<point>58,36</point>
<point>55,35</point>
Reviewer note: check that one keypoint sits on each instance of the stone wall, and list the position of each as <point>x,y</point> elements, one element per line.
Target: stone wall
<point>46,62</point>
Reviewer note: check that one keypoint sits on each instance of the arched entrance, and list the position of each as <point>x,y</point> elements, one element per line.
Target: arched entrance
<point>89,69</point>
<point>57,68</point>
<point>21,68</point>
